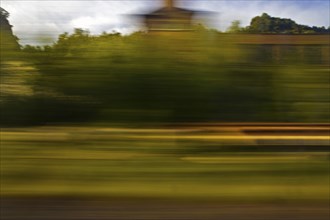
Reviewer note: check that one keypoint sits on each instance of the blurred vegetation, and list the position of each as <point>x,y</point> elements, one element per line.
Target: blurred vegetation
<point>9,42</point>
<point>199,76</point>
<point>160,163</point>
<point>161,78</point>
<point>266,24</point>
<point>186,77</point>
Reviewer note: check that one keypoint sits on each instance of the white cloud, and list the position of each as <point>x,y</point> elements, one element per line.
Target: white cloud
<point>36,20</point>
<point>42,21</point>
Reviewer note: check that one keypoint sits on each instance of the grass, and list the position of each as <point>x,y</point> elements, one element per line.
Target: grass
<point>98,161</point>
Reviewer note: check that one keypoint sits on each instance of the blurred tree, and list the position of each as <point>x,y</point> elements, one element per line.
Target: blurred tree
<point>235,27</point>
<point>142,78</point>
<point>9,42</point>
<point>76,42</point>
<point>265,24</point>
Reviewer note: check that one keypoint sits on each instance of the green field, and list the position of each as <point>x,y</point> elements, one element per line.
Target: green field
<point>98,161</point>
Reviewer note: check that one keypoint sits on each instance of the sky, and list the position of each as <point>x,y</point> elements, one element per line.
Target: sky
<point>41,21</point>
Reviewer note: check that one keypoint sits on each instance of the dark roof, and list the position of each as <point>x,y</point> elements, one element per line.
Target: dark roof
<point>168,12</point>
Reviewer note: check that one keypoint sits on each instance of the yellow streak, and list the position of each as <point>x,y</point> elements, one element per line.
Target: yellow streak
<point>230,137</point>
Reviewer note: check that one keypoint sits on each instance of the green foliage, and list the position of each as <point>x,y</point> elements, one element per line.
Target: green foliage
<point>235,27</point>
<point>3,13</point>
<point>8,41</point>
<point>143,78</point>
<point>265,24</point>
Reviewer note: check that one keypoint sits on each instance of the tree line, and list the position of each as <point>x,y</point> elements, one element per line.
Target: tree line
<point>266,24</point>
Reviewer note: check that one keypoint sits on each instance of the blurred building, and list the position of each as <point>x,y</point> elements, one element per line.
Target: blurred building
<point>169,18</point>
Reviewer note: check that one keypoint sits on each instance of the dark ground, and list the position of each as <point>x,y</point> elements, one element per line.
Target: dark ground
<point>46,208</point>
